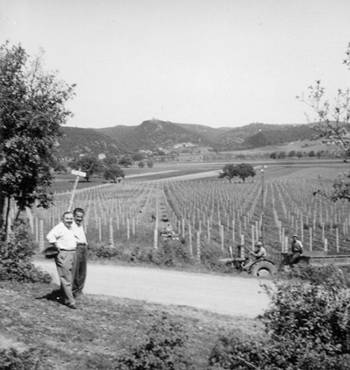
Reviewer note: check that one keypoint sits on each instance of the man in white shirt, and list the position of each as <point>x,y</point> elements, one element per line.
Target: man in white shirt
<point>62,236</point>
<point>81,255</point>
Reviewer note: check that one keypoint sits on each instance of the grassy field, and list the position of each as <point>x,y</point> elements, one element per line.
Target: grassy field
<point>102,328</point>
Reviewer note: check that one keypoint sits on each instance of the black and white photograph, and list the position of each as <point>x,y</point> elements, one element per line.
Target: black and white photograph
<point>174,184</point>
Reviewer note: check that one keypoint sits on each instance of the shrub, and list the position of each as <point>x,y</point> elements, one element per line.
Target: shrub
<point>307,326</point>
<point>16,254</point>
<point>163,349</point>
<point>105,251</point>
<point>12,359</point>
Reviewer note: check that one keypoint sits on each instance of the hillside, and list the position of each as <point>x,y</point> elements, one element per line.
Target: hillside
<point>258,135</point>
<point>75,141</point>
<point>206,132</point>
<point>154,134</point>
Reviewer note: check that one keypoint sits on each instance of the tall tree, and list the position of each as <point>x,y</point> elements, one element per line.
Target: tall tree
<point>332,124</point>
<point>32,108</point>
<point>243,171</point>
<point>87,164</point>
<point>333,119</point>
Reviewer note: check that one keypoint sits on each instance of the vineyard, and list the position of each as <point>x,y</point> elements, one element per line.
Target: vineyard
<point>211,215</point>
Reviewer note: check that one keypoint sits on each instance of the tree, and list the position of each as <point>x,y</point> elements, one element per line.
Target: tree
<point>141,164</point>
<point>149,163</point>
<point>243,171</point>
<point>281,155</point>
<point>138,157</point>
<point>32,108</point>
<point>292,153</point>
<point>87,164</point>
<point>125,161</point>
<point>332,124</point>
<point>113,172</point>
<point>110,160</point>
<point>229,171</point>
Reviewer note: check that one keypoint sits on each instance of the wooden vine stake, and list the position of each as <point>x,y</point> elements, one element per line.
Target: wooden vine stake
<point>190,247</point>
<point>111,236</point>
<point>155,237</point>
<point>41,234</point>
<point>222,239</point>
<point>198,247</point>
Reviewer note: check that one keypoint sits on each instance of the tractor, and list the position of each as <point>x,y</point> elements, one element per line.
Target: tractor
<point>260,267</point>
<point>265,267</point>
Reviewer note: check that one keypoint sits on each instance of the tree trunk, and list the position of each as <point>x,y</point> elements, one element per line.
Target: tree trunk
<point>2,210</point>
<point>6,226</point>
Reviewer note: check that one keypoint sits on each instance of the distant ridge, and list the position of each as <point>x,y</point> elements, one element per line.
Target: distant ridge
<point>153,134</point>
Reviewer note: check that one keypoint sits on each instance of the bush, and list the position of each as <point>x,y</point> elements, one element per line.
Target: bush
<point>163,349</point>
<point>307,326</point>
<point>12,359</point>
<point>16,255</point>
<point>105,251</point>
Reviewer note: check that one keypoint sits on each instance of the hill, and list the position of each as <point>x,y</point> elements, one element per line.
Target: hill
<point>75,141</point>
<point>154,134</point>
<point>258,135</point>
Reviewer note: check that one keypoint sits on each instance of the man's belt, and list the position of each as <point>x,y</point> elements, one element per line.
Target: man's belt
<point>81,244</point>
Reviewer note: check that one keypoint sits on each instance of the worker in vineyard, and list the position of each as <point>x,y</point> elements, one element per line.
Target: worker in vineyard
<point>62,237</point>
<point>258,253</point>
<point>297,250</point>
<point>80,268</point>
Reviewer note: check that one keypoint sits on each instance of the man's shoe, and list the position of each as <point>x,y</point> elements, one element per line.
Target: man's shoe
<point>72,306</point>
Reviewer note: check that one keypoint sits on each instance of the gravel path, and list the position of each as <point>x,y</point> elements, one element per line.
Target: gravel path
<point>227,295</point>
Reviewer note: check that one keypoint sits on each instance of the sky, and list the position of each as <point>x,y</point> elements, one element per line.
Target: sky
<point>211,62</point>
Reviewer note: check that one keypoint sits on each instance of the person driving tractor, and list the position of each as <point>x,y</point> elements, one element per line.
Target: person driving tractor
<point>297,250</point>
<point>258,253</point>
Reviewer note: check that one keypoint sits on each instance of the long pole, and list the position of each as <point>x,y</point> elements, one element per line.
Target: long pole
<point>73,193</point>
<point>262,201</point>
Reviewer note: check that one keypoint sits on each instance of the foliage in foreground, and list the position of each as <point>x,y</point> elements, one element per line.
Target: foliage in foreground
<point>307,327</point>
<point>12,359</point>
<point>15,257</point>
<point>170,253</point>
<point>32,109</point>
<point>162,349</point>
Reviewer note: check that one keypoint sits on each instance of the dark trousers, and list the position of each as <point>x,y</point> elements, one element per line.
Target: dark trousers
<point>80,269</point>
<point>295,257</point>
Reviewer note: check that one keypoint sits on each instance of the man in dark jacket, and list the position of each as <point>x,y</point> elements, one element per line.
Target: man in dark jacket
<point>297,250</point>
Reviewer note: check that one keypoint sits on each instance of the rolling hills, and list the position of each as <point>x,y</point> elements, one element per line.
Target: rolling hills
<point>154,134</point>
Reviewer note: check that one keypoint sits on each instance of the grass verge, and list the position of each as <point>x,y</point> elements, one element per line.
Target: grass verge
<point>102,328</point>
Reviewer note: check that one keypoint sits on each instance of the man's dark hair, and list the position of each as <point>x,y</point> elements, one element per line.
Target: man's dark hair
<point>78,210</point>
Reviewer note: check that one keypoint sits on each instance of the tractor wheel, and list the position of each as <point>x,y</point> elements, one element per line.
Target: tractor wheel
<point>263,269</point>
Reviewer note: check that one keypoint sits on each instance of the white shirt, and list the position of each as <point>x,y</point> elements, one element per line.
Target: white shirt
<point>63,237</point>
<point>79,233</point>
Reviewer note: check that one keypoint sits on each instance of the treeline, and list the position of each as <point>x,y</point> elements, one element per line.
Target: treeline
<point>301,154</point>
<point>109,167</point>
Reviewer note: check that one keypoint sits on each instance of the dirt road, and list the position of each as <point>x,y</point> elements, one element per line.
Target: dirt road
<point>227,295</point>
